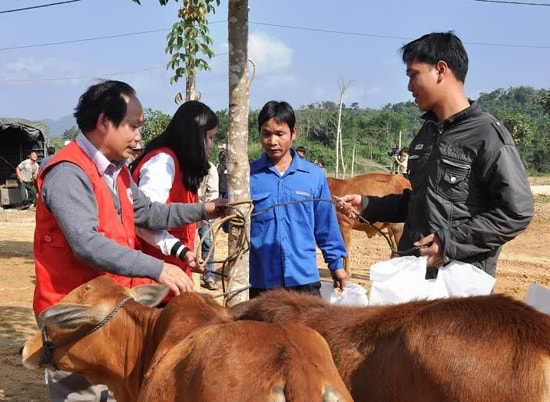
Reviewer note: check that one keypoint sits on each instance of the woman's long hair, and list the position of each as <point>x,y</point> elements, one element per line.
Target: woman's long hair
<point>186,137</point>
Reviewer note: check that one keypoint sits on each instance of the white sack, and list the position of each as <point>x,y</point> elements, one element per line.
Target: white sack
<point>538,297</point>
<point>402,279</point>
<point>352,295</point>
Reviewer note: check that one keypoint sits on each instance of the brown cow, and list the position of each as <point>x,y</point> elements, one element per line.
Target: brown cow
<point>378,184</point>
<point>186,351</point>
<point>478,349</point>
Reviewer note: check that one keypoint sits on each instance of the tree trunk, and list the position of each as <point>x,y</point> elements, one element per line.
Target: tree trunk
<point>190,77</point>
<point>237,142</point>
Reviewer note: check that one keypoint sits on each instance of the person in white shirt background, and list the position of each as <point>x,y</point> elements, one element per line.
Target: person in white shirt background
<point>208,191</point>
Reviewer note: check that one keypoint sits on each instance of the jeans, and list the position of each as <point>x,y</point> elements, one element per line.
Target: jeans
<point>205,249</point>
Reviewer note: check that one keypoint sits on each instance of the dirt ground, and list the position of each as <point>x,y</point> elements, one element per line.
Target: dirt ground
<point>524,260</point>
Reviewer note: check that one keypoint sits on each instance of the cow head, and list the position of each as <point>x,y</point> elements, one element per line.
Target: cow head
<point>83,311</point>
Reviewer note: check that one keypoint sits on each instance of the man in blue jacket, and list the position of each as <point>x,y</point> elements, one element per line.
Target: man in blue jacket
<point>292,212</point>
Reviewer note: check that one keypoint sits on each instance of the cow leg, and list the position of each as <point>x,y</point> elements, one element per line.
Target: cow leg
<point>346,235</point>
<point>395,231</point>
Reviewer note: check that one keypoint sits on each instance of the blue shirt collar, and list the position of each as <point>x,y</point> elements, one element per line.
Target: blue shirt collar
<point>297,163</point>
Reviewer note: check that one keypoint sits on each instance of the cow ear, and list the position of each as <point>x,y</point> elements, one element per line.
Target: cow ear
<point>149,295</point>
<point>65,317</point>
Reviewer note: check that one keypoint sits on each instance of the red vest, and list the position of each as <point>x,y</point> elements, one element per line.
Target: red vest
<point>178,193</point>
<point>58,271</point>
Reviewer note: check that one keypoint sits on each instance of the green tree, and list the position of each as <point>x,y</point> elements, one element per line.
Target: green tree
<point>521,126</point>
<point>70,133</point>
<point>543,99</point>
<point>522,111</point>
<point>187,41</point>
<point>155,123</point>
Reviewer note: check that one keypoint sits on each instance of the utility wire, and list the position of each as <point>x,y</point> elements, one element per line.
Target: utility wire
<point>395,37</point>
<point>271,25</point>
<point>93,38</point>
<point>41,6</point>
<point>515,2</point>
<point>87,77</point>
<point>216,22</point>
<point>82,40</point>
<point>328,31</point>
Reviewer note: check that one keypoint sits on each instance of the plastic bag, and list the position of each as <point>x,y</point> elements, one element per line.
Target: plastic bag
<point>352,295</point>
<point>538,297</point>
<point>402,279</point>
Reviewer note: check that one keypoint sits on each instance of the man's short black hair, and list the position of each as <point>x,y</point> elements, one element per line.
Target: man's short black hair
<point>281,111</point>
<point>301,149</point>
<point>436,46</point>
<point>104,97</point>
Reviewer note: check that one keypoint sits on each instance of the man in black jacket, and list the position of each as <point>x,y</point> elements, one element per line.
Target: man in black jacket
<point>470,193</point>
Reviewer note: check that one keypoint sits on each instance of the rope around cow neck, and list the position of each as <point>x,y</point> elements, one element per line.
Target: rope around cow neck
<point>49,346</point>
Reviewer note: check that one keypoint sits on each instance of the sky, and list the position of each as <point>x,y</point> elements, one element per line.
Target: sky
<point>304,51</point>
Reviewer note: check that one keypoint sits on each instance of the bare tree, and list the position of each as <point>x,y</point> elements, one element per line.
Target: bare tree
<point>339,148</point>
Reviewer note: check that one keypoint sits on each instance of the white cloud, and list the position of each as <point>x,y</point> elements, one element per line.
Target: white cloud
<point>24,68</point>
<point>269,54</point>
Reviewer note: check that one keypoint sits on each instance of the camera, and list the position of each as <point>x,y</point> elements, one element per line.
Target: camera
<point>393,152</point>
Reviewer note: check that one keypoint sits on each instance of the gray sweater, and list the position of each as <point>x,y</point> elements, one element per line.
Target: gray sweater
<point>67,193</point>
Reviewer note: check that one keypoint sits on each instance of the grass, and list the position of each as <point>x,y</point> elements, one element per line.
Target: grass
<point>542,199</point>
<point>539,180</point>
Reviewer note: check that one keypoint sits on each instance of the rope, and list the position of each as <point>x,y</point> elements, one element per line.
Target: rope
<point>238,221</point>
<point>408,251</point>
<point>49,346</point>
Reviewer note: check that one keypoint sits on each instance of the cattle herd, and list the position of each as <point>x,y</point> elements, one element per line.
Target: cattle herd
<point>286,346</point>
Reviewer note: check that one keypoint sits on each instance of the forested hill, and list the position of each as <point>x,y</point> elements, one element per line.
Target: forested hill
<point>368,135</point>
<point>372,133</point>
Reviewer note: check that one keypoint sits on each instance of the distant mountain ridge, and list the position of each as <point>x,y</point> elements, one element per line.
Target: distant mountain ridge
<point>58,127</point>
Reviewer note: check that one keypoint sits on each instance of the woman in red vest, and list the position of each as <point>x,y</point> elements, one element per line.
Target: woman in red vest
<point>171,169</point>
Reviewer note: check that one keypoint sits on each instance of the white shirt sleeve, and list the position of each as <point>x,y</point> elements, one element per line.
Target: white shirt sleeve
<point>157,176</point>
<point>155,180</point>
<point>158,238</point>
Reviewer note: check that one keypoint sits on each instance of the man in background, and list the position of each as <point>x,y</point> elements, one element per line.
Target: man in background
<point>27,172</point>
<point>208,191</point>
<point>401,160</point>
<point>222,172</point>
<point>301,151</point>
<point>50,152</point>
